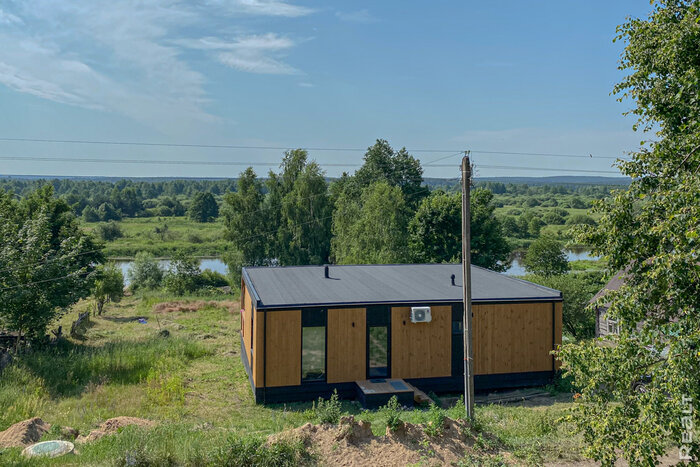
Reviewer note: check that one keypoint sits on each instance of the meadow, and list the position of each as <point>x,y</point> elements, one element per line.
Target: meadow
<point>193,384</point>
<point>163,236</point>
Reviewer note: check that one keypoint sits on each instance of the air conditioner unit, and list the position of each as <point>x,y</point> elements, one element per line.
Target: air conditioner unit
<point>421,314</point>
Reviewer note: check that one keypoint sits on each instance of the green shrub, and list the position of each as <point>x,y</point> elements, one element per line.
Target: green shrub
<point>184,275</point>
<point>392,411</point>
<point>577,219</point>
<point>109,231</point>
<point>328,411</point>
<point>145,272</point>
<point>252,451</point>
<point>436,421</point>
<point>210,278</point>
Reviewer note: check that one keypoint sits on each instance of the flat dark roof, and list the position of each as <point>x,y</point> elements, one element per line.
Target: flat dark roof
<point>305,286</point>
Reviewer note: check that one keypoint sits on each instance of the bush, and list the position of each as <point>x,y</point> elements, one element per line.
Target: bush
<point>392,410</point>
<point>210,278</point>
<point>184,275</point>
<point>90,214</point>
<point>328,411</point>
<point>252,451</point>
<point>580,219</point>
<point>145,272</point>
<point>553,218</point>
<point>109,231</point>
<point>436,421</point>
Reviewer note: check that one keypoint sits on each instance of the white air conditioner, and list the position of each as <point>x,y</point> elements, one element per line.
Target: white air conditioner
<point>421,314</point>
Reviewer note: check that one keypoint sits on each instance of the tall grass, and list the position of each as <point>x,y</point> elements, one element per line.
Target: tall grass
<point>68,370</point>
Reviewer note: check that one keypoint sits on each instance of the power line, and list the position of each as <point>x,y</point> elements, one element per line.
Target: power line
<point>267,164</point>
<point>284,148</point>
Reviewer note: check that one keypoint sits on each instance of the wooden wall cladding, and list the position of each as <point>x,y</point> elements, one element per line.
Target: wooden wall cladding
<point>258,362</point>
<point>283,335</point>
<point>347,350</point>
<point>421,350</point>
<point>247,317</point>
<point>512,338</point>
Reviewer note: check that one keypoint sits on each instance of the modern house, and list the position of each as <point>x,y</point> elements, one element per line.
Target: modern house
<point>307,330</point>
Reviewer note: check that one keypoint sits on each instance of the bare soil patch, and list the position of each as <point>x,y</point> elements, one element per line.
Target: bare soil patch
<point>24,433</point>
<point>113,425</point>
<point>189,307</point>
<point>351,443</point>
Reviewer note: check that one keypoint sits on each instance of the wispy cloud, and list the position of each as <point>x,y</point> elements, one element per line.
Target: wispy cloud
<point>8,18</point>
<point>253,53</point>
<point>360,16</point>
<point>268,7</point>
<point>304,84</point>
<point>130,59</point>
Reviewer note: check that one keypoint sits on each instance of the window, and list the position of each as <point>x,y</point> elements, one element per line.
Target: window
<point>457,327</point>
<point>378,352</point>
<point>612,327</point>
<point>313,353</point>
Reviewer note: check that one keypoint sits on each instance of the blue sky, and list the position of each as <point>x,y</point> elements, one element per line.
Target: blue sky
<point>508,76</point>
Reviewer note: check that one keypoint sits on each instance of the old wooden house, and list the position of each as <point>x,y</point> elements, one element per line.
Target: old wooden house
<point>307,330</point>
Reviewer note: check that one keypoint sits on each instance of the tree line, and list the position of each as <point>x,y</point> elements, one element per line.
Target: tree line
<point>383,213</point>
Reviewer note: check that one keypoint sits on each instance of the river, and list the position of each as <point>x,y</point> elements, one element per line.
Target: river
<point>215,264</point>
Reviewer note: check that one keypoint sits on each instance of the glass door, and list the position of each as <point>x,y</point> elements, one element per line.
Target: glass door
<point>378,342</point>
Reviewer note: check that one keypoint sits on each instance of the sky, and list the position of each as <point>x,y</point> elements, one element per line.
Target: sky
<point>435,77</point>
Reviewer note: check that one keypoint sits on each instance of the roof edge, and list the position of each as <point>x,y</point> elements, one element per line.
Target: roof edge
<point>409,302</point>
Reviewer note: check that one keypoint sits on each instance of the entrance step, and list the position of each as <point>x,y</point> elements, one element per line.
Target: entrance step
<point>376,392</point>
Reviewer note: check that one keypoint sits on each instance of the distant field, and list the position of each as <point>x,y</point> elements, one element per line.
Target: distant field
<point>162,236</point>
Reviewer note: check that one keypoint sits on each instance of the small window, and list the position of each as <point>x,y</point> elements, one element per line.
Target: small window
<point>313,353</point>
<point>457,327</point>
<point>612,327</point>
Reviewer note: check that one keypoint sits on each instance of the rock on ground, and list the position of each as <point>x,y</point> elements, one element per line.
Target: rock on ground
<point>111,426</point>
<point>24,433</point>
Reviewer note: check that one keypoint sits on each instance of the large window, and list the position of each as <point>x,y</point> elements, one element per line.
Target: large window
<point>313,353</point>
<point>378,352</point>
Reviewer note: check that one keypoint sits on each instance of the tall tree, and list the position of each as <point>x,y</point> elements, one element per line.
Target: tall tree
<point>546,257</point>
<point>651,231</point>
<point>203,207</point>
<point>246,220</point>
<point>298,206</point>
<point>109,286</point>
<point>397,168</point>
<point>47,261</point>
<point>436,231</point>
<point>373,230</point>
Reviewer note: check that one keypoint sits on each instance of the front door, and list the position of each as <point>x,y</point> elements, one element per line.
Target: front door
<point>378,342</point>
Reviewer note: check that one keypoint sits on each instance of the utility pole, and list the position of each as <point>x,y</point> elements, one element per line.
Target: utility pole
<point>467,287</point>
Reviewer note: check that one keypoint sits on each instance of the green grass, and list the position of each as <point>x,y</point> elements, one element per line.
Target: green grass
<point>183,234</point>
<point>194,385</point>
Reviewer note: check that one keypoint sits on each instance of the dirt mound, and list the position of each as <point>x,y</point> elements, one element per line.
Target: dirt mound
<point>23,433</point>
<point>351,443</point>
<point>111,426</point>
<point>188,307</point>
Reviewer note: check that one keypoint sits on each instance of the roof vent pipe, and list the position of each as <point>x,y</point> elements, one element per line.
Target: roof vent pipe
<point>325,271</point>
<point>452,278</point>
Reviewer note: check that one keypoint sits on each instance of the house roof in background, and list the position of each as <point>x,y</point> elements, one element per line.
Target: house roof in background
<point>304,286</point>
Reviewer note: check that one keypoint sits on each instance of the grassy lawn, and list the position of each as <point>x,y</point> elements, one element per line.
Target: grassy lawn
<point>193,383</point>
<point>178,233</point>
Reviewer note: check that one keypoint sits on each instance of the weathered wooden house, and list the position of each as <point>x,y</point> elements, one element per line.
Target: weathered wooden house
<point>603,324</point>
<point>307,330</point>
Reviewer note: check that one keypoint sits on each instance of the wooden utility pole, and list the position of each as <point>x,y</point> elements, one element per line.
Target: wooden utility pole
<point>467,287</point>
